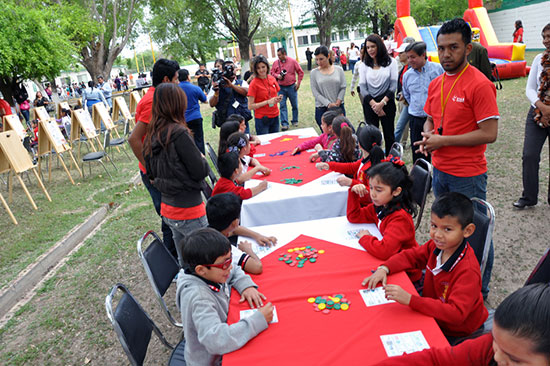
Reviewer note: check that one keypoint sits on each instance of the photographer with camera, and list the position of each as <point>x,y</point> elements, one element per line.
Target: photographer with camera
<point>285,70</point>
<point>228,95</point>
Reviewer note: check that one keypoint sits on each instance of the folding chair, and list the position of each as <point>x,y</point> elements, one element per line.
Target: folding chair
<point>161,268</point>
<point>213,157</point>
<point>541,273</point>
<point>481,239</point>
<point>396,150</point>
<point>121,140</point>
<point>99,155</point>
<point>421,175</point>
<point>134,327</point>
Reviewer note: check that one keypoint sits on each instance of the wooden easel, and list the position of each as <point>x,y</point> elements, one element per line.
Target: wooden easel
<point>120,107</point>
<point>50,136</point>
<point>41,114</point>
<point>99,114</point>
<point>82,123</point>
<point>144,91</point>
<point>13,123</point>
<point>60,106</point>
<point>135,97</point>
<point>14,157</point>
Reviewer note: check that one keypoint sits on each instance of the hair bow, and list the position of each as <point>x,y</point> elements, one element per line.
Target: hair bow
<point>232,149</point>
<point>241,143</point>
<point>395,160</point>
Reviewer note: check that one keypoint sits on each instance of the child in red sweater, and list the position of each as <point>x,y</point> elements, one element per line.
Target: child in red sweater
<point>520,336</point>
<point>230,168</point>
<point>391,210</point>
<point>238,142</point>
<point>370,140</point>
<point>452,284</point>
<point>325,141</point>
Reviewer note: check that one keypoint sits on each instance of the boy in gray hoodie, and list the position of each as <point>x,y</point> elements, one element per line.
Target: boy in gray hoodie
<point>202,296</point>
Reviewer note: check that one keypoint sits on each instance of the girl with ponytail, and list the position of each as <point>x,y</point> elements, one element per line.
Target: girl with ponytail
<point>346,148</point>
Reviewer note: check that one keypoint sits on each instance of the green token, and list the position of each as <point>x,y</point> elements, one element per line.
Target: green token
<point>300,266</point>
<point>308,247</point>
<point>330,303</point>
<point>289,261</point>
<point>281,259</point>
<point>339,296</point>
<point>318,299</point>
<point>330,306</point>
<point>323,301</point>
<point>337,306</point>
<point>312,260</point>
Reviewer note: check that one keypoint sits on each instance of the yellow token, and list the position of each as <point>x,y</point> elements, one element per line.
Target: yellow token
<point>344,307</point>
<point>321,251</point>
<point>303,248</point>
<point>296,249</point>
<point>290,250</point>
<point>322,306</point>
<point>336,300</point>
<point>311,300</point>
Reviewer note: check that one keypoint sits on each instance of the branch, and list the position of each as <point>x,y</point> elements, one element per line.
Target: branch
<point>255,28</point>
<point>115,24</point>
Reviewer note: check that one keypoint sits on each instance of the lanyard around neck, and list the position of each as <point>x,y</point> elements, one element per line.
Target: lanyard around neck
<point>444,103</point>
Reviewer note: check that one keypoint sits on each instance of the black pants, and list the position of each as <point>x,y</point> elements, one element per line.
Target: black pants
<point>535,137</point>
<point>198,134</point>
<point>309,64</point>
<point>387,121</point>
<point>416,124</point>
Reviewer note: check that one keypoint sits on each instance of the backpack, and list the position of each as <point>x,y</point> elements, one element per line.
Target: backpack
<point>20,93</point>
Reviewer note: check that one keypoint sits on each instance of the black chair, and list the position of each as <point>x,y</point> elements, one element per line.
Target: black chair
<point>121,140</point>
<point>396,150</point>
<point>134,327</point>
<point>213,157</point>
<point>421,175</point>
<point>161,268</point>
<point>99,155</point>
<point>481,239</point>
<point>541,273</point>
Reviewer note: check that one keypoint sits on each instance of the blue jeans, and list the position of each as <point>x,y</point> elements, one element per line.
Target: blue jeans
<point>290,93</point>
<point>26,115</point>
<point>267,125</point>
<point>401,123</point>
<point>319,111</point>
<point>352,65</point>
<point>471,187</point>
<point>156,197</point>
<point>181,229</point>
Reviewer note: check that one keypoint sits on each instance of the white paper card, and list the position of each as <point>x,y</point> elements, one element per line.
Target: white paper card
<point>311,150</point>
<point>398,344</point>
<point>259,155</point>
<point>266,143</point>
<point>325,182</point>
<point>376,296</point>
<point>249,312</point>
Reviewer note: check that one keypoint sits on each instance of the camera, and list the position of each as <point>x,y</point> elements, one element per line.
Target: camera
<point>283,73</point>
<point>218,75</point>
<point>228,71</point>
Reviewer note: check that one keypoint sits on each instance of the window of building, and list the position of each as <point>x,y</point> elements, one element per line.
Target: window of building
<point>302,40</point>
<point>359,34</point>
<point>315,39</point>
<point>344,35</point>
<point>334,37</point>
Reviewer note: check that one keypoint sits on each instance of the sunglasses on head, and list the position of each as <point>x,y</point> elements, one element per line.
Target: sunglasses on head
<point>225,265</point>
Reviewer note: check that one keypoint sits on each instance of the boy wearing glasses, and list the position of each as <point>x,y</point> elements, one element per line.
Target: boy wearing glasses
<point>203,294</point>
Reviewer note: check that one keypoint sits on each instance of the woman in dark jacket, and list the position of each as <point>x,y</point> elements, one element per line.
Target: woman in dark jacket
<point>40,101</point>
<point>174,164</point>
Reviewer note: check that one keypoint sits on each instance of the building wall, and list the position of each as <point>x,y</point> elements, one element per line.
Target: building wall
<point>534,18</point>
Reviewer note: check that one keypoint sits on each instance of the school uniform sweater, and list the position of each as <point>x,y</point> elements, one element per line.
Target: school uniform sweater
<point>357,169</point>
<point>397,230</point>
<point>204,306</point>
<point>324,140</point>
<point>452,293</point>
<point>227,185</point>
<point>473,352</point>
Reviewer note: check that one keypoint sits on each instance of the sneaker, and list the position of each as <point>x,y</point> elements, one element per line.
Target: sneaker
<point>294,124</point>
<point>284,127</point>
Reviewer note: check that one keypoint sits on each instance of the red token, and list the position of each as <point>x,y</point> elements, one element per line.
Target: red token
<point>292,264</point>
<point>326,311</point>
<point>317,309</point>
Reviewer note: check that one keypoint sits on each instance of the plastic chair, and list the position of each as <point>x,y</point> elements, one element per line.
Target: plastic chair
<point>134,327</point>
<point>121,140</point>
<point>421,175</point>
<point>396,150</point>
<point>213,157</point>
<point>98,156</point>
<point>481,239</point>
<point>161,267</point>
<point>541,273</point>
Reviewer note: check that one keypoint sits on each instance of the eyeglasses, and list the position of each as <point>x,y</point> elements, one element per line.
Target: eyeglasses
<point>225,265</point>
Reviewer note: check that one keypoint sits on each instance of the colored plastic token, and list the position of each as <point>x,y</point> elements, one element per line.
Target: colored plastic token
<point>326,311</point>
<point>308,247</point>
<point>312,260</point>
<point>321,251</point>
<point>303,248</point>
<point>344,307</point>
<point>288,261</point>
<point>321,306</point>
<point>290,250</point>
<point>339,296</point>
<point>311,300</point>
<point>281,259</point>
<point>318,299</point>
<point>300,265</point>
<point>337,306</point>
<point>317,309</point>
<point>292,264</point>
<point>336,300</point>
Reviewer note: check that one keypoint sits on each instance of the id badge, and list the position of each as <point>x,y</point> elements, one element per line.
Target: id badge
<point>235,104</point>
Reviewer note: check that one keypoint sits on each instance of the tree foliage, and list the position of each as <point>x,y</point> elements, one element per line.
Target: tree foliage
<point>186,29</point>
<point>429,12</point>
<point>33,44</point>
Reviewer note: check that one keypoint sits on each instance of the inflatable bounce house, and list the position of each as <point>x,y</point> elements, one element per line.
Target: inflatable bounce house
<point>509,57</point>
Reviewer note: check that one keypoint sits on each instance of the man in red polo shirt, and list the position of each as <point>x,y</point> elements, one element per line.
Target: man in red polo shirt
<point>462,119</point>
<point>164,71</point>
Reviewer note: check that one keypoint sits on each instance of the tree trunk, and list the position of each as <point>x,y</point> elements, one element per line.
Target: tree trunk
<point>374,20</point>
<point>6,88</point>
<point>253,48</point>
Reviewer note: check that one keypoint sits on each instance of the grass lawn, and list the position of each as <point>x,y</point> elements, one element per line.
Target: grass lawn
<point>65,322</point>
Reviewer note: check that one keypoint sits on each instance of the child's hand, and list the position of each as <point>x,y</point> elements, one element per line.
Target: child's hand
<point>396,293</point>
<point>363,233</point>
<point>245,246</point>
<point>263,186</point>
<point>379,276</point>
<point>344,181</point>
<point>266,241</point>
<point>253,297</point>
<point>314,157</point>
<point>267,312</point>
<point>295,151</point>
<point>318,147</point>
<point>360,190</point>
<point>264,170</point>
<point>322,166</point>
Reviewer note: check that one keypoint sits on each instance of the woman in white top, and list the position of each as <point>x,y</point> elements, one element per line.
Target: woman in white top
<point>378,83</point>
<point>328,84</point>
<point>537,123</point>
<point>353,56</point>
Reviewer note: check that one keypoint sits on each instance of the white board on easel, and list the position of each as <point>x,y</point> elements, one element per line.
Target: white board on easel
<point>12,122</point>
<point>135,97</point>
<point>100,113</point>
<point>41,114</point>
<point>60,106</point>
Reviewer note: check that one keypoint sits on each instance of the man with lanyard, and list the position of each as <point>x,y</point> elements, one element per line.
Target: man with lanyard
<point>203,78</point>
<point>416,81</point>
<point>106,90</point>
<point>230,98</point>
<point>285,70</point>
<point>164,71</point>
<point>462,119</point>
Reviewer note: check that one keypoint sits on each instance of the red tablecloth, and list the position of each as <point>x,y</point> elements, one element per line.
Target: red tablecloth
<point>306,337</point>
<point>281,149</point>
